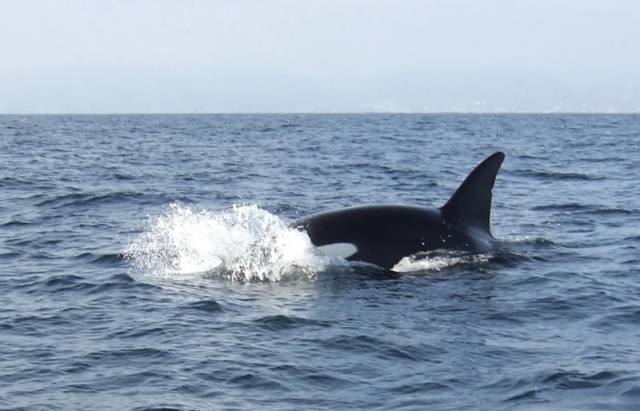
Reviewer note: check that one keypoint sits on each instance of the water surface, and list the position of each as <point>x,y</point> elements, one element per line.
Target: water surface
<point>147,264</point>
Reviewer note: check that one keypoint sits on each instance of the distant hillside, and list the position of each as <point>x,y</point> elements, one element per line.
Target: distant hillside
<point>111,90</point>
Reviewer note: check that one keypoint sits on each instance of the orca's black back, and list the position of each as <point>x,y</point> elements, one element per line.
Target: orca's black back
<point>384,234</point>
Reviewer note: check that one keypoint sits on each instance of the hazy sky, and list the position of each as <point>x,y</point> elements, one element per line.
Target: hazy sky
<point>317,40</point>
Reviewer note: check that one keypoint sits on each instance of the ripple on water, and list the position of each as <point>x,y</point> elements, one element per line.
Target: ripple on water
<point>284,322</point>
<point>207,306</point>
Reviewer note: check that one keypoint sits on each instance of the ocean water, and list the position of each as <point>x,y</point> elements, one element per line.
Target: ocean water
<point>147,264</point>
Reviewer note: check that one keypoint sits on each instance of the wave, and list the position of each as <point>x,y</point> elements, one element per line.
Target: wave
<point>283,322</point>
<point>100,258</point>
<point>585,208</point>
<point>559,175</point>
<point>84,199</point>
<point>208,306</point>
<point>76,283</point>
<point>14,223</point>
<point>244,243</point>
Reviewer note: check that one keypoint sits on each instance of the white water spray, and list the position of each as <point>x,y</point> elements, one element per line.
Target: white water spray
<point>438,260</point>
<point>244,243</point>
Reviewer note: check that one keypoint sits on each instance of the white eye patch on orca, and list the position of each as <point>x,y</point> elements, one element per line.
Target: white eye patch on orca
<point>338,250</point>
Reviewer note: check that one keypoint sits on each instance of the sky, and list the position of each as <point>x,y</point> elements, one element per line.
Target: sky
<point>59,56</point>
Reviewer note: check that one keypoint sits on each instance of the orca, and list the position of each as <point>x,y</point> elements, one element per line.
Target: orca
<point>383,234</point>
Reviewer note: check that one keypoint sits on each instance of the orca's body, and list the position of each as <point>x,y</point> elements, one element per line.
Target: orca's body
<point>384,234</point>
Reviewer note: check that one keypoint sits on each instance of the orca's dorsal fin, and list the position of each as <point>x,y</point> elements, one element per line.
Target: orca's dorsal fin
<point>471,202</point>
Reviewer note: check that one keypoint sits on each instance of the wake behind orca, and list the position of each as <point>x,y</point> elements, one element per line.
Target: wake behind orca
<point>384,234</point>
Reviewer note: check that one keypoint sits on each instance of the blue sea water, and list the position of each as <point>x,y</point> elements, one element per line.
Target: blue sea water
<point>147,264</point>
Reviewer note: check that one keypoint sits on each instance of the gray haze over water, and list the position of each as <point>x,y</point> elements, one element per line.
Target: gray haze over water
<point>317,56</point>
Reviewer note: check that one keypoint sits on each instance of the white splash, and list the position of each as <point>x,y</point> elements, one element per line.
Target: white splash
<point>437,260</point>
<point>244,243</point>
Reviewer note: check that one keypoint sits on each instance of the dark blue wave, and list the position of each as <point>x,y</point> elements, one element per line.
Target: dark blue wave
<point>559,175</point>
<point>84,199</point>
<point>106,259</point>
<point>283,322</point>
<point>584,208</point>
<point>207,306</point>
